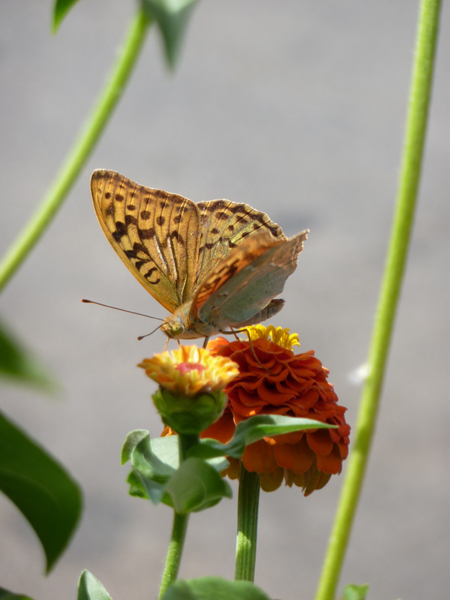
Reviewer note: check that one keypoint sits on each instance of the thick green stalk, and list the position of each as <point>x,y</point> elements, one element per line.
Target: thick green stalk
<point>247,524</point>
<point>389,295</point>
<point>81,150</point>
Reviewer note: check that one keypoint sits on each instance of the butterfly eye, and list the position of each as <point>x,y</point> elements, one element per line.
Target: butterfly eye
<point>177,329</point>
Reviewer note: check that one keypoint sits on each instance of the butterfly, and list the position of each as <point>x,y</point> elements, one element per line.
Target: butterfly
<point>212,265</point>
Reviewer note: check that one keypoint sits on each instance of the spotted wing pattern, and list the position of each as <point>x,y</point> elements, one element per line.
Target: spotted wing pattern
<point>247,279</point>
<point>225,225</point>
<point>155,233</point>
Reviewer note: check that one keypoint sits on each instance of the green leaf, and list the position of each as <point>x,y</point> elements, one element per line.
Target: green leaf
<point>213,588</point>
<point>132,440</point>
<point>355,592</point>
<point>166,449</point>
<point>7,595</point>
<point>90,588</point>
<point>158,476</point>
<point>17,364</point>
<point>151,470</point>
<point>152,473</point>
<point>154,463</point>
<point>60,10</point>
<point>40,488</point>
<point>146,462</point>
<point>252,430</point>
<point>195,486</point>
<point>172,17</point>
<point>139,488</point>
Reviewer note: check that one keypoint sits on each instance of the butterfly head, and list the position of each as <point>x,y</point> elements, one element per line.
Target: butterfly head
<point>173,328</point>
<point>180,325</point>
<point>177,325</point>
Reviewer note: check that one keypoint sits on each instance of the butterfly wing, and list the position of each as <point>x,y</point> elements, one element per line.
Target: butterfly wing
<point>224,226</point>
<point>247,279</point>
<point>155,234</point>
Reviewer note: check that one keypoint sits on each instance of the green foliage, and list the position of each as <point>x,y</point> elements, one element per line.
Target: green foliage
<point>7,595</point>
<point>213,588</point>
<point>195,486</point>
<point>17,364</point>
<point>172,17</point>
<point>154,467</point>
<point>151,474</point>
<point>131,442</point>
<point>60,10</point>
<point>355,592</point>
<point>90,588</point>
<point>40,488</point>
<point>158,476</point>
<point>202,588</point>
<point>252,430</point>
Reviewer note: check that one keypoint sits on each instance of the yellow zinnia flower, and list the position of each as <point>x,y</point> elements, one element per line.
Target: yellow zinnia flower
<point>190,397</point>
<point>190,371</point>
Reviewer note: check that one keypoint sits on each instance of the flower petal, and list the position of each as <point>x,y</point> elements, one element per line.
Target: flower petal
<point>332,463</point>
<point>259,457</point>
<point>271,481</point>
<point>320,442</point>
<point>222,430</point>
<point>296,457</point>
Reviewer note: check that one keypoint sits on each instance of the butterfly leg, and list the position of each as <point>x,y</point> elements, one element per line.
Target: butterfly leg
<point>232,332</point>
<point>205,342</point>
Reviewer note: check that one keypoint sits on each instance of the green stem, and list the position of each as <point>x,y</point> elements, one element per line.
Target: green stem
<point>185,442</point>
<point>247,524</point>
<point>180,523</point>
<point>389,295</point>
<point>80,152</point>
<point>179,528</point>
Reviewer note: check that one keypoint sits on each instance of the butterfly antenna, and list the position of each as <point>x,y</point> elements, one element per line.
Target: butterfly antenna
<point>132,312</point>
<point>141,337</point>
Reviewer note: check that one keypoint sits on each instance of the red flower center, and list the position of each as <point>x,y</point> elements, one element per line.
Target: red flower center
<point>187,367</point>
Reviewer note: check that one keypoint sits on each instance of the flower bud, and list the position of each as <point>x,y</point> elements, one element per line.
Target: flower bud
<point>189,415</point>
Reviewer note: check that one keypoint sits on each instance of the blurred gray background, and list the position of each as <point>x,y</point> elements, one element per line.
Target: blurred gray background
<point>298,109</point>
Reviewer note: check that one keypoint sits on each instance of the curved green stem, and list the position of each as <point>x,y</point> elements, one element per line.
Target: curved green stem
<point>81,150</point>
<point>248,504</point>
<point>390,290</point>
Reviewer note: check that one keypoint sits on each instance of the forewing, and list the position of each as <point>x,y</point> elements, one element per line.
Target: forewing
<point>248,279</point>
<point>154,232</point>
<point>224,226</point>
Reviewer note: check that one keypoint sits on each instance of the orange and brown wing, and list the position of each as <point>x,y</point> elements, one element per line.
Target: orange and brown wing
<point>155,233</point>
<point>224,226</point>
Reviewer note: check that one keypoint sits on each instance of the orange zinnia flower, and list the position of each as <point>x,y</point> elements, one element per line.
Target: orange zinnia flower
<point>280,382</point>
